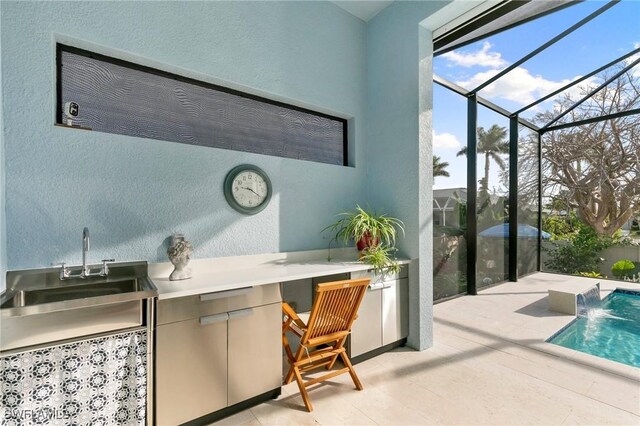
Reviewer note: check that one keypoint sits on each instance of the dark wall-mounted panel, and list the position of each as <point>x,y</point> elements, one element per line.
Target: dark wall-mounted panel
<point>120,97</point>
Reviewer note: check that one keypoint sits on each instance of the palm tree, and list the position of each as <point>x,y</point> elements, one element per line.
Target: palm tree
<point>439,167</point>
<point>492,144</point>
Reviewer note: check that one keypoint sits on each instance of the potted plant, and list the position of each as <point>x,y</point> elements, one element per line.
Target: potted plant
<point>374,235</point>
<point>381,258</point>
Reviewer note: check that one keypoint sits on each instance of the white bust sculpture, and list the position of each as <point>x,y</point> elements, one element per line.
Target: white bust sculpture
<point>180,254</point>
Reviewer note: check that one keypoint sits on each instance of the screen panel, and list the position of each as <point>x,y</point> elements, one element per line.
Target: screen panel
<point>115,96</point>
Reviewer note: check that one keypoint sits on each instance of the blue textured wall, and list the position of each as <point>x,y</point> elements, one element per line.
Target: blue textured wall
<point>3,229</point>
<point>132,193</point>
<point>399,156</point>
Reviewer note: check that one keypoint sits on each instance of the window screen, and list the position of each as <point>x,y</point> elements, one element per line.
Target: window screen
<point>115,96</point>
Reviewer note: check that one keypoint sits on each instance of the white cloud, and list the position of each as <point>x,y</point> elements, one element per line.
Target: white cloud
<point>635,71</point>
<point>445,141</point>
<point>519,85</point>
<point>481,58</point>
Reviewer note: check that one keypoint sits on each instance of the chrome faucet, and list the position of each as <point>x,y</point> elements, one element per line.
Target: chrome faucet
<point>86,271</point>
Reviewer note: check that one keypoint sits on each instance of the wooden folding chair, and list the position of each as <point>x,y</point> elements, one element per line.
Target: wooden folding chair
<point>322,338</point>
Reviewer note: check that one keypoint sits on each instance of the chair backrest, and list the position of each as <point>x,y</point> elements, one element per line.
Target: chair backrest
<point>335,308</point>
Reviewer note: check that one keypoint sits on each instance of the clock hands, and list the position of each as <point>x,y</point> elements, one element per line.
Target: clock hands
<point>249,189</point>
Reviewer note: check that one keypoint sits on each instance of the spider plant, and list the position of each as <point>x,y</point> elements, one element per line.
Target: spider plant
<point>381,258</point>
<point>362,225</point>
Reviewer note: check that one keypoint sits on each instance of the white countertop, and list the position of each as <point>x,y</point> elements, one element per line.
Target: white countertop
<point>229,273</point>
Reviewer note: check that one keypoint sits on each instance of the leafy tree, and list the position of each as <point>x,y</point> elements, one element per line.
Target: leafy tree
<point>594,168</point>
<point>440,167</point>
<point>492,144</point>
<point>561,227</point>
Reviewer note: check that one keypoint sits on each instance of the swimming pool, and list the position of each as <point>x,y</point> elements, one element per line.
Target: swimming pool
<point>611,332</point>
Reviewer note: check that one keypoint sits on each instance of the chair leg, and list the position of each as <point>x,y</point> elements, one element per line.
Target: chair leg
<point>303,389</point>
<point>289,377</point>
<point>287,348</point>
<point>336,346</point>
<point>352,372</point>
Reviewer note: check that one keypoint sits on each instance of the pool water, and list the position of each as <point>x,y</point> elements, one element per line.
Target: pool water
<point>611,331</point>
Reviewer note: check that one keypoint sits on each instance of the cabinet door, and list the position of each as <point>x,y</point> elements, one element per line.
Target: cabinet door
<point>366,333</point>
<point>395,311</point>
<point>191,369</point>
<point>255,351</point>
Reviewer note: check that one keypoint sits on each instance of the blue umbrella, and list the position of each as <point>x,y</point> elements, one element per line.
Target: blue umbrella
<point>502,231</point>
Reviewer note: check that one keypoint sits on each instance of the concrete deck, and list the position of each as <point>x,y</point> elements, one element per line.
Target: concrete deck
<point>489,365</point>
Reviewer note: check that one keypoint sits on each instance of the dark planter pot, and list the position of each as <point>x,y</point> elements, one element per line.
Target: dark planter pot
<point>366,241</point>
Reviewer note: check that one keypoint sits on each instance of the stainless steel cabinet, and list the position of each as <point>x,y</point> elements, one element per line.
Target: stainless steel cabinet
<point>395,311</point>
<point>191,370</point>
<point>366,333</point>
<point>215,350</point>
<point>383,317</point>
<point>255,354</point>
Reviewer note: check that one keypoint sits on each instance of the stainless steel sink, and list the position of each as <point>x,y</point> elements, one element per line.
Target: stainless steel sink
<point>39,291</point>
<point>48,295</point>
<point>38,307</point>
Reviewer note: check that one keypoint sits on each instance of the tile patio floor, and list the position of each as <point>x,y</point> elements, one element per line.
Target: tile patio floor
<point>489,366</point>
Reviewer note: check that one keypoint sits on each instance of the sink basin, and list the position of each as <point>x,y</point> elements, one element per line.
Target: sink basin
<point>40,291</point>
<point>38,308</point>
<point>47,295</point>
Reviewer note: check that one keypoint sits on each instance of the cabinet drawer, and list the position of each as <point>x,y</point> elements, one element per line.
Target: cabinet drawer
<point>378,278</point>
<point>190,307</point>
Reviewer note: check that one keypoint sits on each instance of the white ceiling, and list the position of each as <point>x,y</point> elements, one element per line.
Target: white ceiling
<point>363,9</point>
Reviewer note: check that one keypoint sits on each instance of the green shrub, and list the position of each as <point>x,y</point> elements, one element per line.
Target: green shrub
<point>581,254</point>
<point>623,269</point>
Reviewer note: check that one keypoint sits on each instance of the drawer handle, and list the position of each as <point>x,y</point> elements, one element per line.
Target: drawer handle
<point>241,313</point>
<point>212,319</point>
<point>223,294</point>
<point>375,286</point>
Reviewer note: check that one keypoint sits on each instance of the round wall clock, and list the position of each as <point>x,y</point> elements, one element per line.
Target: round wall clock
<point>247,189</point>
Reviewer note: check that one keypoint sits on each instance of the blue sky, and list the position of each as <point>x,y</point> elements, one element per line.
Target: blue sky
<point>607,37</point>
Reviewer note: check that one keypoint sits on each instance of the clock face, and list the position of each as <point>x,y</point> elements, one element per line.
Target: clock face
<point>247,189</point>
